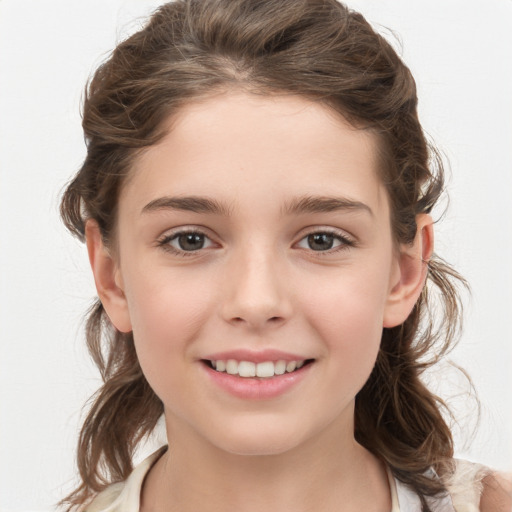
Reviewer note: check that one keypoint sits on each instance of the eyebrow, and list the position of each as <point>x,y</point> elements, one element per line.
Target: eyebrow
<point>323,204</point>
<point>190,204</point>
<point>305,204</point>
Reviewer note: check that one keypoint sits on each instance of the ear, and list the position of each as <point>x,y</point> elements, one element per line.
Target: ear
<point>407,283</point>
<point>107,277</point>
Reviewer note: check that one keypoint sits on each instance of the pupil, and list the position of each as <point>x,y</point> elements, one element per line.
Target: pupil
<point>320,241</point>
<point>191,241</point>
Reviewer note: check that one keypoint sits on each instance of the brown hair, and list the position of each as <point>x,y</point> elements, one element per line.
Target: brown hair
<point>318,49</point>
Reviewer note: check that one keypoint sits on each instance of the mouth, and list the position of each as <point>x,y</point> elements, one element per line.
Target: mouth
<point>250,369</point>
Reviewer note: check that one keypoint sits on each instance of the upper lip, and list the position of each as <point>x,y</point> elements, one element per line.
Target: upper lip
<point>255,356</point>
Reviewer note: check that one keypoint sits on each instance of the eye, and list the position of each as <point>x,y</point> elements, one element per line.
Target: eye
<point>185,241</point>
<point>322,241</point>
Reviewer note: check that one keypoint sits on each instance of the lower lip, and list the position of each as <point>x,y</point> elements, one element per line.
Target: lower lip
<point>254,388</point>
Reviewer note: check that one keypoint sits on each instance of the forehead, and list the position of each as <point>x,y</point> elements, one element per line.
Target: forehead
<point>258,149</point>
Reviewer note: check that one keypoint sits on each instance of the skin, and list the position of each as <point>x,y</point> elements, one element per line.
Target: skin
<point>258,283</point>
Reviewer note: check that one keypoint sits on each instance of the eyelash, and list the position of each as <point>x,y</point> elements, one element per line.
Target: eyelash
<point>164,242</point>
<point>345,241</point>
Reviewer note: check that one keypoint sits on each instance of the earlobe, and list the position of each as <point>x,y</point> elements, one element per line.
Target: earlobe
<point>108,278</point>
<point>412,272</point>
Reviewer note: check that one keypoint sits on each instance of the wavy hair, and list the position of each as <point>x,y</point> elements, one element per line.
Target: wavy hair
<point>325,52</point>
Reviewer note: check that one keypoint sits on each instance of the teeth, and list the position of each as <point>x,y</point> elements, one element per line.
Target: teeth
<point>246,369</point>
<point>279,367</point>
<point>250,369</point>
<point>291,366</point>
<point>232,367</point>
<point>264,369</point>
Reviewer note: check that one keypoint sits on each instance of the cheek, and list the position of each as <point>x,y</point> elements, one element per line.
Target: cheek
<point>167,315</point>
<point>166,302</point>
<point>347,314</point>
<point>351,328</point>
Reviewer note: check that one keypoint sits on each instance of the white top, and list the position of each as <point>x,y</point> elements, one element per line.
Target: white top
<point>464,491</point>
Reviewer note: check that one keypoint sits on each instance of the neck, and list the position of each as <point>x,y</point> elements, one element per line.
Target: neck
<point>320,474</point>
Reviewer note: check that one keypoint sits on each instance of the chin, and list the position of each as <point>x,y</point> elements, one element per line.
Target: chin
<point>259,439</point>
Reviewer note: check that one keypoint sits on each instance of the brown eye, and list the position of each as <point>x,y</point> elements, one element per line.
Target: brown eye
<point>186,242</point>
<point>320,241</point>
<point>189,241</point>
<point>325,241</point>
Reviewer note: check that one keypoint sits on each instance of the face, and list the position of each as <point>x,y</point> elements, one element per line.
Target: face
<point>256,236</point>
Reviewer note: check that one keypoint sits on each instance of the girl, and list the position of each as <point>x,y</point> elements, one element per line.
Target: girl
<point>256,204</point>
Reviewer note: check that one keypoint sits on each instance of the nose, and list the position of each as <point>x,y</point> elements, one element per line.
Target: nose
<point>256,293</point>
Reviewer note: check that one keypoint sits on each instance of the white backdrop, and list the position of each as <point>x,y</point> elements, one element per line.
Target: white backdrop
<point>460,52</point>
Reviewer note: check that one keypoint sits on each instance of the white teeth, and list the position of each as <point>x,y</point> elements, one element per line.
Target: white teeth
<point>279,367</point>
<point>291,366</point>
<point>232,367</point>
<point>249,369</point>
<point>264,369</point>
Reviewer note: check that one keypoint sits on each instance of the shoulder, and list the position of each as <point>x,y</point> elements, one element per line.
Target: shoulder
<point>496,493</point>
<point>476,488</point>
<point>124,496</point>
<point>104,500</point>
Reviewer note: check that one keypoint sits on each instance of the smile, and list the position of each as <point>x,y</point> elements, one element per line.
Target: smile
<point>263,380</point>
<point>266,369</point>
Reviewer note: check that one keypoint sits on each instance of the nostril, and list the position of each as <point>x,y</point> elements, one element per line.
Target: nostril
<point>257,320</point>
<point>274,319</point>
